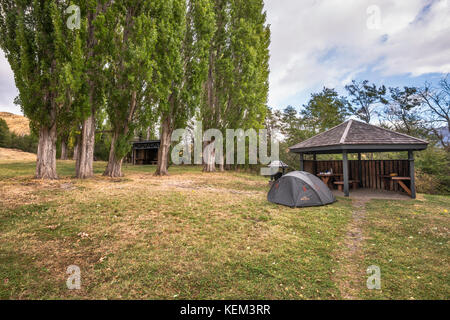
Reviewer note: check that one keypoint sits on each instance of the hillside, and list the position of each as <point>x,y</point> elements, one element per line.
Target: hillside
<point>17,124</point>
<point>16,155</point>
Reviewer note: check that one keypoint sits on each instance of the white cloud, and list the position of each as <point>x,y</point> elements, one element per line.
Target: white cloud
<point>8,91</point>
<point>327,42</point>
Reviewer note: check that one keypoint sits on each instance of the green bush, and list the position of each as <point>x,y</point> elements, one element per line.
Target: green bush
<point>5,136</point>
<point>102,146</point>
<point>433,168</point>
<point>9,139</point>
<point>27,143</point>
<point>427,183</point>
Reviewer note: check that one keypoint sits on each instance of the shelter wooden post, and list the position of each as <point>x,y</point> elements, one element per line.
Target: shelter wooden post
<point>412,173</point>
<point>360,170</point>
<point>345,169</point>
<point>302,162</point>
<point>315,164</point>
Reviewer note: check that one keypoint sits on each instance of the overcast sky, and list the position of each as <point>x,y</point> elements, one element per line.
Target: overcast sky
<point>318,43</point>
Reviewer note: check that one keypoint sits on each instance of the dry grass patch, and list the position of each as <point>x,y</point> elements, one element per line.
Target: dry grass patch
<point>190,235</point>
<point>8,155</point>
<point>20,125</point>
<point>199,236</point>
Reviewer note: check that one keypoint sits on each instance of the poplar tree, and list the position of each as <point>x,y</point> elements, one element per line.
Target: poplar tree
<point>182,63</point>
<point>90,97</point>
<point>72,85</point>
<point>35,43</point>
<point>129,36</point>
<point>250,39</point>
<point>237,84</point>
<point>219,71</point>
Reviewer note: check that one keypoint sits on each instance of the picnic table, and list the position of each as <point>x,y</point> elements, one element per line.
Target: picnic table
<point>400,181</point>
<point>326,177</point>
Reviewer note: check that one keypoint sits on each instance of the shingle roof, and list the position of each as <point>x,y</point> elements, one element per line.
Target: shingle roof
<point>353,133</point>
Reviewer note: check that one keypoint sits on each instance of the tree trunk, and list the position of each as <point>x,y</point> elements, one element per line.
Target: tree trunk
<point>163,152</point>
<point>221,164</point>
<point>114,167</point>
<point>85,155</point>
<point>46,155</point>
<point>76,149</point>
<point>64,153</point>
<point>209,156</point>
<point>85,159</point>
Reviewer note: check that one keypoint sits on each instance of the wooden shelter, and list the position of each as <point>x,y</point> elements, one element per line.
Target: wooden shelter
<point>145,152</point>
<point>357,137</point>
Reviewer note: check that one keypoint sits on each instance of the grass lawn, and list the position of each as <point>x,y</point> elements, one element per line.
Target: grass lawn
<point>409,241</point>
<point>204,236</point>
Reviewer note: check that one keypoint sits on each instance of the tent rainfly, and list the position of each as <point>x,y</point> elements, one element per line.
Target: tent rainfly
<point>300,189</point>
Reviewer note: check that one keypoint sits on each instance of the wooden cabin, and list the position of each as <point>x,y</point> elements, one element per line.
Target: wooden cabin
<point>145,152</point>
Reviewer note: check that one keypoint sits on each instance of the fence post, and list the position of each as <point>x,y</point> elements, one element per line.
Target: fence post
<point>360,171</point>
<point>345,169</point>
<point>412,173</point>
<point>302,162</point>
<point>315,164</point>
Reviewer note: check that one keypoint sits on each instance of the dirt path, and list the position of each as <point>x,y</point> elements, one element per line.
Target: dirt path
<point>349,276</point>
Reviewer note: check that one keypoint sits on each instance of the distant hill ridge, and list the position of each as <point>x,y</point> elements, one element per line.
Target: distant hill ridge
<point>20,125</point>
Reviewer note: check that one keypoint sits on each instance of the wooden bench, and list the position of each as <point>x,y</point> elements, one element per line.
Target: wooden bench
<point>353,183</point>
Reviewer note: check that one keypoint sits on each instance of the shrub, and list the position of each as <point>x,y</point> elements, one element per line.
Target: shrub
<point>11,140</point>
<point>102,146</point>
<point>27,143</point>
<point>5,136</point>
<point>433,167</point>
<point>427,183</point>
